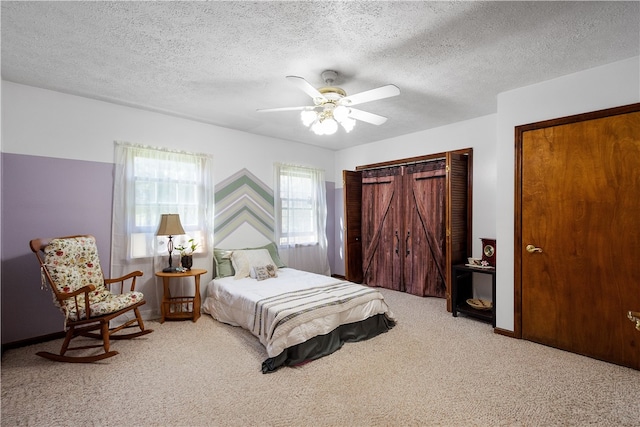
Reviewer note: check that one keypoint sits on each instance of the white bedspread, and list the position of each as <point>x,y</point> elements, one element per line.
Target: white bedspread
<point>235,302</point>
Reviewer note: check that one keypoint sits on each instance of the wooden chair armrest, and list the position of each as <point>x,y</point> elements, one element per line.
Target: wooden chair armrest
<point>83,290</point>
<point>133,275</point>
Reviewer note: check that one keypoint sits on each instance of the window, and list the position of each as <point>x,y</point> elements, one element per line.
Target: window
<point>157,181</point>
<point>162,186</point>
<point>298,222</point>
<point>301,217</point>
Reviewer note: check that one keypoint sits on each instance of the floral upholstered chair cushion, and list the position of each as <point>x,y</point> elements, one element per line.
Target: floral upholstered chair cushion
<point>72,264</point>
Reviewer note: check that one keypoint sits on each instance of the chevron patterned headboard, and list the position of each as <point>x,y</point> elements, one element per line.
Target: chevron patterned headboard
<point>243,198</point>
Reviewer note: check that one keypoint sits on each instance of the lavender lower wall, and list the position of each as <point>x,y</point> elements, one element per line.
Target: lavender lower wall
<point>46,197</point>
<point>51,197</point>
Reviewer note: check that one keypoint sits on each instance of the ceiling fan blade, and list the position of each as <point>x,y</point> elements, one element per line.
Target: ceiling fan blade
<point>364,116</point>
<point>271,110</point>
<point>371,95</point>
<point>306,87</point>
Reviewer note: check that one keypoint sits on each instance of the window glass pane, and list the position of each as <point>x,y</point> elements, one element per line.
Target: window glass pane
<point>141,245</point>
<point>298,216</point>
<point>165,185</point>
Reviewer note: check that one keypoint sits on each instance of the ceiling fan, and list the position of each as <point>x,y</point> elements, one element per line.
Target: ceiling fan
<point>332,106</point>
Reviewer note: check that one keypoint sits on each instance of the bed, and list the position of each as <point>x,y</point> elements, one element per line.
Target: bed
<point>298,316</point>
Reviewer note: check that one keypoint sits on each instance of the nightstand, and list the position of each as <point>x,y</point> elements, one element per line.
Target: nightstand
<point>182,307</point>
<point>462,289</point>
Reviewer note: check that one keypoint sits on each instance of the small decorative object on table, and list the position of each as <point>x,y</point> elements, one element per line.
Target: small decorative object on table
<point>480,304</point>
<point>186,261</point>
<point>478,263</point>
<point>473,261</point>
<point>489,252</point>
<point>186,254</point>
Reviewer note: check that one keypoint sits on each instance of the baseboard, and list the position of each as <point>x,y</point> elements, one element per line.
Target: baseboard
<point>146,315</point>
<point>31,341</point>
<point>504,332</point>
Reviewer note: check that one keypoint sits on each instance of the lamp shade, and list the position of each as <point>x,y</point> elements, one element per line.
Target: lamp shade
<point>170,225</point>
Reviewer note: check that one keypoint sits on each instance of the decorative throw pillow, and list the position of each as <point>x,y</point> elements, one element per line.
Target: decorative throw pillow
<point>222,259</point>
<point>243,260</point>
<point>271,270</point>
<point>263,272</point>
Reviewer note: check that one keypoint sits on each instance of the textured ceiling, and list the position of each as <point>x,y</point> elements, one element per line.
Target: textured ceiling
<point>217,62</point>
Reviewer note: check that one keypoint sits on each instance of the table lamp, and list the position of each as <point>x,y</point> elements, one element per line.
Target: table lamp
<point>170,226</point>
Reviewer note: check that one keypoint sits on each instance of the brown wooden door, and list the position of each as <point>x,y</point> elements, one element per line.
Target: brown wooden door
<point>580,212</point>
<point>423,238</point>
<point>381,236</point>
<point>352,189</point>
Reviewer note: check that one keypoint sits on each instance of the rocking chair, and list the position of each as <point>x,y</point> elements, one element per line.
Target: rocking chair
<point>71,268</point>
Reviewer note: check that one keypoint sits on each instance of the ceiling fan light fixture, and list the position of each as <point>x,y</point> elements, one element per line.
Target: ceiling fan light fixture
<point>325,122</point>
<point>324,125</point>
<point>348,124</point>
<point>308,117</point>
<point>332,107</point>
<point>341,113</point>
<point>316,128</point>
<point>330,126</point>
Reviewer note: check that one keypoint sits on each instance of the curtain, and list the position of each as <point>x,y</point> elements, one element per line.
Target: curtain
<point>301,217</point>
<point>149,182</point>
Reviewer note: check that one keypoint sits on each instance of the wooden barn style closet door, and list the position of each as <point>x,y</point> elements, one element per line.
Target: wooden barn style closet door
<point>408,221</point>
<point>578,234</point>
<point>424,229</point>
<point>381,215</point>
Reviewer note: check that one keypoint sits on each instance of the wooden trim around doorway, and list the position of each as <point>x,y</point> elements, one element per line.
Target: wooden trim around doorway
<point>517,250</point>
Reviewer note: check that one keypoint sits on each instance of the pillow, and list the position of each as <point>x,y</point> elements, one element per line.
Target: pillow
<point>273,251</point>
<point>222,259</point>
<point>243,260</point>
<point>263,272</point>
<point>224,266</point>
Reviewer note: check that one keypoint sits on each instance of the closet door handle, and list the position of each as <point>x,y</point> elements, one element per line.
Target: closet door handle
<point>406,243</point>
<point>634,316</point>
<point>531,249</point>
<point>397,243</point>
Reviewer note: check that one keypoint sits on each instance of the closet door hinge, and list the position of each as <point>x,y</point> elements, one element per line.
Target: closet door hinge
<point>448,232</point>
<point>447,168</point>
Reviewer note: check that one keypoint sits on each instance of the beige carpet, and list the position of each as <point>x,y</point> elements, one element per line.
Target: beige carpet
<point>431,369</point>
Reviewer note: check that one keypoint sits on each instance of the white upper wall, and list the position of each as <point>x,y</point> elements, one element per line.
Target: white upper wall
<point>73,127</point>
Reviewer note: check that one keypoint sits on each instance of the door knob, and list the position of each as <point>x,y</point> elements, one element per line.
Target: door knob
<point>634,317</point>
<point>531,249</point>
